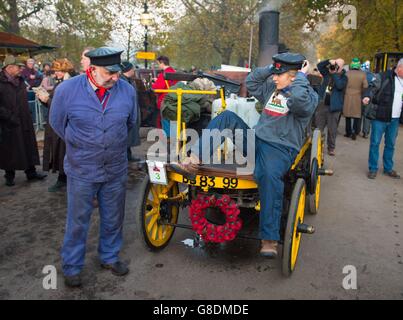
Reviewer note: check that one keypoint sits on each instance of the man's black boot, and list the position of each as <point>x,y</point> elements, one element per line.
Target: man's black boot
<point>36,176</point>
<point>10,182</point>
<point>73,281</point>
<point>118,268</point>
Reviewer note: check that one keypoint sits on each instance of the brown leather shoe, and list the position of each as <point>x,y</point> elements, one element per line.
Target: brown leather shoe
<point>269,249</point>
<point>393,174</point>
<point>331,153</point>
<point>372,175</point>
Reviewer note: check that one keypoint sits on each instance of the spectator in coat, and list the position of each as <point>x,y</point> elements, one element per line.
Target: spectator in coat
<point>352,110</point>
<point>47,69</point>
<point>18,147</point>
<point>162,84</point>
<point>54,149</point>
<point>331,99</point>
<point>388,98</point>
<point>33,79</point>
<point>30,75</point>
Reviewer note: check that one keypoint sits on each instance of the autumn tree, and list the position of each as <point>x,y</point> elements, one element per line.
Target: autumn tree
<point>224,24</point>
<point>14,12</point>
<point>127,29</point>
<point>71,26</point>
<point>379,29</point>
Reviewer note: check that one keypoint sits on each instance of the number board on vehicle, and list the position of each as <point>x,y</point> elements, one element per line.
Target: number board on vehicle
<point>157,172</point>
<point>212,182</point>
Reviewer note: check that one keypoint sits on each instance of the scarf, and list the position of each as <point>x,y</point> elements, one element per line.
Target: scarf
<point>101,91</point>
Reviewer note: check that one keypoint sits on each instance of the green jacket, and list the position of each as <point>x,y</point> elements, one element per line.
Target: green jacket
<point>190,105</point>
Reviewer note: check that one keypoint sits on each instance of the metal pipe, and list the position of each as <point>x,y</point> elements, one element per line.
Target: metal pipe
<point>269,33</point>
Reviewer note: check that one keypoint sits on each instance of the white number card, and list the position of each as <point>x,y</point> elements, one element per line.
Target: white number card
<point>157,172</point>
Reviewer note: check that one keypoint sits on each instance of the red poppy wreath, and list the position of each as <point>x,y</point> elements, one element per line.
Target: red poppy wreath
<point>211,232</point>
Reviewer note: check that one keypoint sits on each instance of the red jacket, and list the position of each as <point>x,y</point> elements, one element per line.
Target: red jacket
<point>161,84</point>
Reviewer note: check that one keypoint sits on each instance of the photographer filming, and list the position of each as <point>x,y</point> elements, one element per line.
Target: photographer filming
<point>331,98</point>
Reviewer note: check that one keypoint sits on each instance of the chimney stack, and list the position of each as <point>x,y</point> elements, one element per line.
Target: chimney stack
<point>269,25</point>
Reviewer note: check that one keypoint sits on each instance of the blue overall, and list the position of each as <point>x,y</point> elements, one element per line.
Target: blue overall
<point>273,161</point>
<point>80,196</point>
<point>95,163</point>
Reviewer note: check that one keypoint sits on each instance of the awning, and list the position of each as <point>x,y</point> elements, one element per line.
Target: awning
<point>13,44</point>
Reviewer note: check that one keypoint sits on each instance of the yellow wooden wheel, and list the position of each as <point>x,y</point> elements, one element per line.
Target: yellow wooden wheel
<point>292,237</point>
<point>155,212</point>
<point>317,162</point>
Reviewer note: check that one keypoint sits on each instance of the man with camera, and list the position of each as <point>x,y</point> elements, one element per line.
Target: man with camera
<point>331,97</point>
<point>387,102</point>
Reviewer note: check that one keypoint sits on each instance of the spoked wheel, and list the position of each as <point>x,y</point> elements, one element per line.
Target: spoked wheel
<point>292,237</point>
<point>317,162</point>
<point>154,214</point>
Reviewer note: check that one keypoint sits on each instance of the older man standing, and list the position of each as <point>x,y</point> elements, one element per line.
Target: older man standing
<point>18,148</point>
<point>93,113</point>
<point>33,79</point>
<point>30,75</point>
<point>389,100</point>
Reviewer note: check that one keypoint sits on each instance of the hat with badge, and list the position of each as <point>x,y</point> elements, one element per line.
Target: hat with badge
<point>13,60</point>
<point>106,57</point>
<point>284,62</point>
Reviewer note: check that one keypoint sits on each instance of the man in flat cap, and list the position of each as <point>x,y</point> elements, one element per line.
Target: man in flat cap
<point>18,147</point>
<point>289,104</point>
<point>93,113</point>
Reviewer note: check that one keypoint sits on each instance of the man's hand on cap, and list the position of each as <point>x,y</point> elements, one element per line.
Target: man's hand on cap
<point>305,67</point>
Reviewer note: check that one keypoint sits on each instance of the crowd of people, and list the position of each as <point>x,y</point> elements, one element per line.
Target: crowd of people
<point>367,101</point>
<point>39,85</point>
<point>94,120</point>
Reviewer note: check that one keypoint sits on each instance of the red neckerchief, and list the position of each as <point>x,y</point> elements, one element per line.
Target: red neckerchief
<point>101,90</point>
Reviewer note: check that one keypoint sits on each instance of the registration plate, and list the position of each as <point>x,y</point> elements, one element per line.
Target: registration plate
<point>157,172</point>
<point>212,182</point>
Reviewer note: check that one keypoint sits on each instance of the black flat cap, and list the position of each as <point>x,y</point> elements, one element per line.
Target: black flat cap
<point>287,61</point>
<point>106,57</point>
